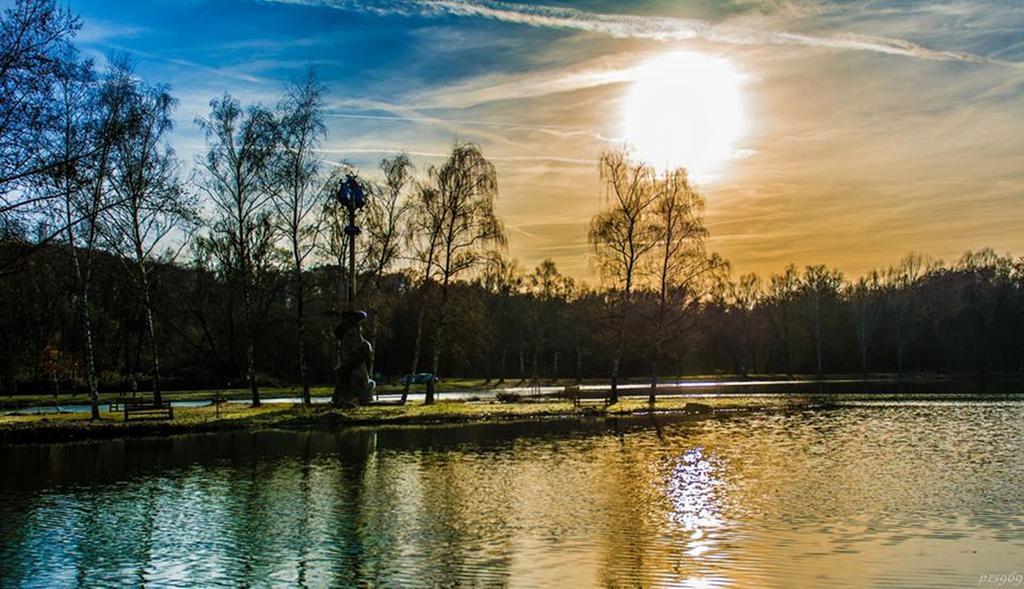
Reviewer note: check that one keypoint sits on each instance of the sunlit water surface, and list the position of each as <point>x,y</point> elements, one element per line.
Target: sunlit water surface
<point>913,495</point>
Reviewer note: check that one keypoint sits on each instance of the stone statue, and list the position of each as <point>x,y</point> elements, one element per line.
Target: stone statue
<point>352,379</point>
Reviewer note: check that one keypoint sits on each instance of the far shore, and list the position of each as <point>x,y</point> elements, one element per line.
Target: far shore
<point>466,388</point>
<point>70,427</point>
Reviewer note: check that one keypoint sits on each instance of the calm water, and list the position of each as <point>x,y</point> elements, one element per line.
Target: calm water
<point>925,494</point>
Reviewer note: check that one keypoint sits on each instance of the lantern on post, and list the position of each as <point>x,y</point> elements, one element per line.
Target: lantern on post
<point>352,196</point>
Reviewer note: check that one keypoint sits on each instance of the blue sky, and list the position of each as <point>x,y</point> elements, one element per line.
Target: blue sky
<point>871,127</point>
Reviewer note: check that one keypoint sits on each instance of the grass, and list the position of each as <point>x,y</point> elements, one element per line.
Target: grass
<point>63,427</point>
<point>77,426</point>
<point>8,403</point>
<point>234,394</point>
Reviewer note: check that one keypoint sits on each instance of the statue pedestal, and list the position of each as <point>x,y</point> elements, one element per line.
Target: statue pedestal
<point>352,385</point>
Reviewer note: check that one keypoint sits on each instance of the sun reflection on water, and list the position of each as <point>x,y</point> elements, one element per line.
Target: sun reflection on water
<point>692,491</point>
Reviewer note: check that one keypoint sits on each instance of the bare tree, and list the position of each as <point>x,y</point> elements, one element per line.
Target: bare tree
<point>458,211</point>
<point>819,286</point>
<point>240,144</point>
<point>299,193</point>
<point>423,236</point>
<point>90,121</point>
<point>681,265</point>
<point>901,284</point>
<point>150,202</point>
<point>622,236</point>
<point>780,299</point>
<point>552,290</point>
<point>35,37</point>
<point>384,222</point>
<point>386,214</point>
<point>864,297</point>
<point>744,297</point>
<point>503,279</point>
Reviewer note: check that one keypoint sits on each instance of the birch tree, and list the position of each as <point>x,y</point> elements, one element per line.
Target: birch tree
<point>89,120</point>
<point>459,215</point>
<point>150,202</point>
<point>240,143</point>
<point>299,193</point>
<point>681,265</point>
<point>384,221</point>
<point>35,48</point>
<point>621,236</point>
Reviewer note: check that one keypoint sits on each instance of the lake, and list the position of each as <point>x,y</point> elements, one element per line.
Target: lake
<point>868,493</point>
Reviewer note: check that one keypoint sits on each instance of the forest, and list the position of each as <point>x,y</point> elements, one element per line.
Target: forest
<point>124,267</point>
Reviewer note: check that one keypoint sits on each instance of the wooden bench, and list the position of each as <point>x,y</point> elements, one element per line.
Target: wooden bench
<point>572,392</point>
<point>145,409</point>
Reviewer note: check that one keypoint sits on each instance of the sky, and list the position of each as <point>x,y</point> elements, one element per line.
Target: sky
<point>839,132</point>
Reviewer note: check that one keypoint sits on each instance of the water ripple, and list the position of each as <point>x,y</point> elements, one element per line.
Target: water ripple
<point>893,495</point>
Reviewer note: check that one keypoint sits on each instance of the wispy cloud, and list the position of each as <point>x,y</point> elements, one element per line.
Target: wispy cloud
<point>442,154</point>
<point>658,28</point>
<point>96,31</point>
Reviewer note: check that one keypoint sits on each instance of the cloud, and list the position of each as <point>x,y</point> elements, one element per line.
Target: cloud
<point>495,87</point>
<point>658,28</point>
<point>98,31</point>
<point>441,155</point>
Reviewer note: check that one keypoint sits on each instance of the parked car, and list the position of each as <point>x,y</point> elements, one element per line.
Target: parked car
<point>421,378</point>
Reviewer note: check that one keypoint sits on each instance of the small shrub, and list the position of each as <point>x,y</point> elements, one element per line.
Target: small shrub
<point>508,397</point>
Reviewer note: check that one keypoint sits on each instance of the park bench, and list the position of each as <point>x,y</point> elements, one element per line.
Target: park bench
<point>145,409</point>
<point>572,392</point>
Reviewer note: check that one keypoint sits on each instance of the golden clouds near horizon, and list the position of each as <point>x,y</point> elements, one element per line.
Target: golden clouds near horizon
<point>685,109</point>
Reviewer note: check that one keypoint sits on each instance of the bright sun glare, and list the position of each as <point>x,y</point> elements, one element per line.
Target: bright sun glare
<point>684,109</point>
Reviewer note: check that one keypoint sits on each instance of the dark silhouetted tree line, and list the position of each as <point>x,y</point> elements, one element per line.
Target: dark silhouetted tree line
<point>113,277</point>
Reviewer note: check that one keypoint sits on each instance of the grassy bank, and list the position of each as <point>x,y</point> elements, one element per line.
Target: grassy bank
<point>9,403</point>
<point>19,401</point>
<point>67,427</point>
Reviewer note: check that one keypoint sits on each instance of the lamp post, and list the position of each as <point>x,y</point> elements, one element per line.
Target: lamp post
<point>352,381</point>
<point>352,196</point>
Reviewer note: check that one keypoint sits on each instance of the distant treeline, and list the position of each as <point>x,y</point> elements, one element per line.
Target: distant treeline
<point>965,318</point>
<point>119,269</point>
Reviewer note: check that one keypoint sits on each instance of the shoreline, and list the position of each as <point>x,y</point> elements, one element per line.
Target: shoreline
<point>466,388</point>
<point>71,427</point>
<point>53,428</point>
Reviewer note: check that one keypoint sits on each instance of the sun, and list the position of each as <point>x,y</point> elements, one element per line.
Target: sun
<point>684,110</point>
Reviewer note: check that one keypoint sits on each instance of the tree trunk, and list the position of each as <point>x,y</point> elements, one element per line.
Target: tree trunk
<point>417,344</point>
<point>373,345</point>
<point>536,355</point>
<point>90,363</point>
<point>250,348</point>
<point>654,376</point>
<point>899,346</point>
<point>864,358</point>
<point>154,345</point>
<point>613,397</point>
<point>83,276</point>
<point>300,328</point>
<point>554,368</point>
<point>579,364</point>
<point>504,358</point>
<point>652,396</point>
<point>435,362</point>
<point>817,337</point>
